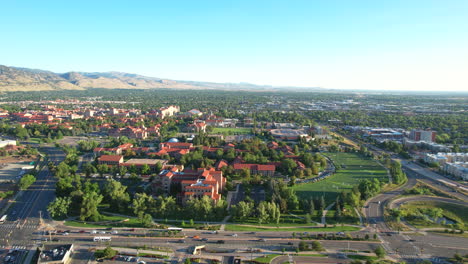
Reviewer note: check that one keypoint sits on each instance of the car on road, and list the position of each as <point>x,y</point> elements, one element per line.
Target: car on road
<point>115,232</point>
<point>220,241</point>
<point>261,240</point>
<point>234,235</point>
<point>340,234</point>
<point>290,243</point>
<point>180,241</point>
<point>82,231</point>
<point>66,233</point>
<point>196,237</point>
<point>55,239</point>
<point>204,239</point>
<point>93,232</point>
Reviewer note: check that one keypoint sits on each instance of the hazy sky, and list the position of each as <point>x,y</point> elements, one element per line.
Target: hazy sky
<point>377,44</point>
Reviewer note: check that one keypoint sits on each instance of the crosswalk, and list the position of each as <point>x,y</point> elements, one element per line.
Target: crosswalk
<point>17,226</point>
<point>17,247</point>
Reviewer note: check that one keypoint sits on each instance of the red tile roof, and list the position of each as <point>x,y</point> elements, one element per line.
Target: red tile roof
<point>112,158</point>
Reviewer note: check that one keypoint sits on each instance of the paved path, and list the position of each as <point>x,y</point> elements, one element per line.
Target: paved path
<point>324,213</point>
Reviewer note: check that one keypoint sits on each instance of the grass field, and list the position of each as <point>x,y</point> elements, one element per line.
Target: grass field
<point>107,221</point>
<point>454,212</point>
<point>354,168</point>
<point>266,259</point>
<point>232,130</point>
<point>243,228</point>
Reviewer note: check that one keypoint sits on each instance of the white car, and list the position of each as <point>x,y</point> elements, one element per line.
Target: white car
<point>115,232</point>
<point>93,232</point>
<point>234,235</point>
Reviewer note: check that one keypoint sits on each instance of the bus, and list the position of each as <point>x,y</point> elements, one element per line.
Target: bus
<point>3,219</point>
<point>102,239</point>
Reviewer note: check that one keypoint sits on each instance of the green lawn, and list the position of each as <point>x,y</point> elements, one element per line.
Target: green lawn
<point>266,259</point>
<point>362,257</point>
<point>354,168</point>
<point>241,228</point>
<point>454,212</point>
<point>232,130</point>
<point>285,220</point>
<point>107,221</point>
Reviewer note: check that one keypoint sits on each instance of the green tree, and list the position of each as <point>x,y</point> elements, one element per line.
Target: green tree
<point>116,194</point>
<point>102,168</point>
<point>145,169</point>
<point>59,207</point>
<point>109,252</point>
<point>147,220</point>
<point>317,246</point>
<point>89,205</point>
<point>380,252</point>
<point>26,181</point>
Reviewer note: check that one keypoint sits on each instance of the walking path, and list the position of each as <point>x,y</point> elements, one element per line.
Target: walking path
<point>324,213</point>
<point>359,215</point>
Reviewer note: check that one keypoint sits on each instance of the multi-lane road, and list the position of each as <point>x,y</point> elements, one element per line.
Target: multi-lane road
<point>24,215</point>
<point>412,246</point>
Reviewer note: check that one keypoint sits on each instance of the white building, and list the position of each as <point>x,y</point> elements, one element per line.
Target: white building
<point>4,143</point>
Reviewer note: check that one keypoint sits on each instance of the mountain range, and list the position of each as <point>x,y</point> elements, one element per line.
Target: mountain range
<point>24,79</point>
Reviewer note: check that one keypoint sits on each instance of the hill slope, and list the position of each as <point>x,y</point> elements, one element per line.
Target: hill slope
<point>24,79</point>
<point>19,79</point>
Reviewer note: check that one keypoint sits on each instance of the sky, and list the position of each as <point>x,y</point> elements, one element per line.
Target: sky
<point>379,45</point>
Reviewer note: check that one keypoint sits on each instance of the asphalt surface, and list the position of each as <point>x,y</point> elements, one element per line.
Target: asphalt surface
<point>413,247</point>
<point>19,231</point>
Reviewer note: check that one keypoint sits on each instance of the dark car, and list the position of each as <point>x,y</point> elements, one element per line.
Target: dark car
<point>290,243</point>
<point>180,241</point>
<point>220,241</point>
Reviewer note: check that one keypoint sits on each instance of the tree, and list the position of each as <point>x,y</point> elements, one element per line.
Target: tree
<point>89,169</point>
<point>116,194</point>
<point>145,169</point>
<point>147,220</point>
<point>303,246</point>
<point>122,170</point>
<point>458,258</point>
<point>59,207</point>
<point>142,203</point>
<point>89,205</point>
<point>109,252</point>
<point>317,246</point>
<point>307,219</point>
<point>380,252</point>
<point>102,168</point>
<point>26,181</point>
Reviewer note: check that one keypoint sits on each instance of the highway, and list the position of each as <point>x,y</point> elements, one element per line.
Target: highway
<point>24,214</point>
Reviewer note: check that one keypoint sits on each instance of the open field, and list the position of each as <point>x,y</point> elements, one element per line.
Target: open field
<point>232,130</point>
<point>354,168</point>
<point>241,228</point>
<point>107,221</point>
<point>457,213</point>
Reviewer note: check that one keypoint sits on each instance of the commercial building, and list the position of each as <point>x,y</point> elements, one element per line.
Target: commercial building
<point>423,135</point>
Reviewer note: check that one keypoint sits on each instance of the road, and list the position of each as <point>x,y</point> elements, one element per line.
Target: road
<point>403,244</point>
<point>421,198</point>
<point>24,215</point>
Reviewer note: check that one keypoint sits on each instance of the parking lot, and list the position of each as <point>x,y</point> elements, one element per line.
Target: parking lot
<point>11,171</point>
